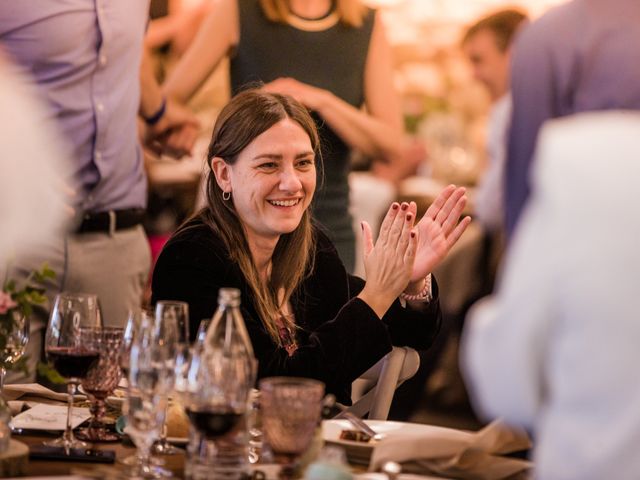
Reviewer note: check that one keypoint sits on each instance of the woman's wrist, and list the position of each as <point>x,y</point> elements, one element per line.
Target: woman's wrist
<point>418,291</point>
<point>377,302</point>
<point>157,114</point>
<point>415,287</point>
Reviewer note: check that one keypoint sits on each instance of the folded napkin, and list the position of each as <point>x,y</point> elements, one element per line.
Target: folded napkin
<point>34,390</point>
<point>49,417</point>
<point>16,406</point>
<point>473,456</point>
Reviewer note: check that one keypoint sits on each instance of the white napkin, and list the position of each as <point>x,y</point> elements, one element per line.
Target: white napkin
<point>18,390</point>
<point>49,417</point>
<point>473,456</point>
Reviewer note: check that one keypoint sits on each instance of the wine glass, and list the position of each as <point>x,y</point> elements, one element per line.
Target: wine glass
<point>291,410</point>
<point>101,381</point>
<point>169,313</point>
<point>13,341</point>
<point>146,402</point>
<point>131,329</point>
<point>70,346</point>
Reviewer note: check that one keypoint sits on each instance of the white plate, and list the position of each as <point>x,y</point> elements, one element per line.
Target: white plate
<point>360,452</point>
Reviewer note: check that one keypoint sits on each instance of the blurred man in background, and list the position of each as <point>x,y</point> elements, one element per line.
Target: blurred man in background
<point>487,44</point>
<point>85,60</point>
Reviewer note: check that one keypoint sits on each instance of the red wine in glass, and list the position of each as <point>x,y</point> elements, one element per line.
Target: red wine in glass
<point>75,319</point>
<point>214,423</point>
<point>72,362</point>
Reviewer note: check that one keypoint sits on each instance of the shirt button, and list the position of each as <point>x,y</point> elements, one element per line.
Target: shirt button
<point>98,155</point>
<point>99,106</point>
<point>103,60</point>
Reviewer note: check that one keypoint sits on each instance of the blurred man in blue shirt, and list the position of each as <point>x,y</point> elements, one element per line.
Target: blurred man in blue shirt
<point>581,56</point>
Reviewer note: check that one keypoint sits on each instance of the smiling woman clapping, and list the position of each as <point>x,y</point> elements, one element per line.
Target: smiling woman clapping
<point>305,315</point>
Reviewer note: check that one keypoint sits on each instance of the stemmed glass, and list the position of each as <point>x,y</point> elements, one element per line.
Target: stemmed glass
<point>70,346</point>
<point>291,409</point>
<point>150,378</point>
<point>131,329</point>
<point>169,312</point>
<point>13,341</point>
<point>101,381</point>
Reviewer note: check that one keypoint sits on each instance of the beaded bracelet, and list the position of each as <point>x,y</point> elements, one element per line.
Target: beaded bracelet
<point>155,118</point>
<point>423,296</point>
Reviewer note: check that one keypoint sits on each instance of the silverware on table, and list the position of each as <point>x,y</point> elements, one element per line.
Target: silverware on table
<point>360,425</point>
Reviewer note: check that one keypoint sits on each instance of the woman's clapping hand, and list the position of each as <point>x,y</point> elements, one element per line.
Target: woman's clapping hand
<point>389,262</point>
<point>438,230</point>
<point>404,253</point>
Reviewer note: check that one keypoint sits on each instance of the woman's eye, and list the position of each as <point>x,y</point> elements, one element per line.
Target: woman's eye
<point>306,162</point>
<point>267,165</point>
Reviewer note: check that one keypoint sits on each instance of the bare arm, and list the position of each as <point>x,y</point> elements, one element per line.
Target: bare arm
<point>176,129</point>
<point>218,33</point>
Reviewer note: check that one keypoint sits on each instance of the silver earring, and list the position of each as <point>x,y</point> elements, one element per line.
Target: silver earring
<point>226,196</point>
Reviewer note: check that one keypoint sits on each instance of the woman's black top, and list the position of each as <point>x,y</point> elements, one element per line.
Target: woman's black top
<point>339,335</point>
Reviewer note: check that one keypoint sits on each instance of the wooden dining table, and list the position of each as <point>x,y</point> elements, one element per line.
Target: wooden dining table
<point>173,463</point>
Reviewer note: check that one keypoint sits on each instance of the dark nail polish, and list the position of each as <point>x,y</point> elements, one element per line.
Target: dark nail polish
<point>394,206</point>
<point>409,216</point>
<point>404,206</point>
<point>413,234</point>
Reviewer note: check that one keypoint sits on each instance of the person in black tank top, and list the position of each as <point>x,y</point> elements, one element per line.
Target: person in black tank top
<point>331,56</point>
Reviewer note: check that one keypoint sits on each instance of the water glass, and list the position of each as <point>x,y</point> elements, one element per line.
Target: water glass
<point>172,322</point>
<point>291,409</point>
<point>101,380</point>
<point>146,402</point>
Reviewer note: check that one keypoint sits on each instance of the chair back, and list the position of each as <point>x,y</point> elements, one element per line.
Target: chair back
<point>373,392</point>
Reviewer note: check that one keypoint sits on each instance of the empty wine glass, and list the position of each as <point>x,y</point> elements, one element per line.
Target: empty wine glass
<point>145,406</point>
<point>100,382</point>
<point>168,314</point>
<point>13,341</point>
<point>70,347</point>
<point>291,410</point>
<point>131,329</point>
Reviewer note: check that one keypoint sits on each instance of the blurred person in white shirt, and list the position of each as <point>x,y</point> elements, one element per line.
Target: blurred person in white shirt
<point>556,350</point>
<point>34,200</point>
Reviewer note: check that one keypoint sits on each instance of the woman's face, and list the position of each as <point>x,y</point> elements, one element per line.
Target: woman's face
<point>273,180</point>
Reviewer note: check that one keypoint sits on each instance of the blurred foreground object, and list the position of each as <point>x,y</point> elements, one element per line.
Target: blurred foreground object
<point>32,165</point>
<point>556,350</point>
